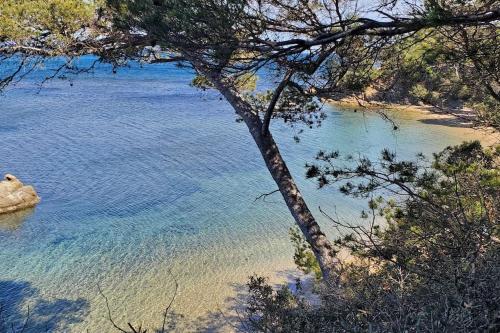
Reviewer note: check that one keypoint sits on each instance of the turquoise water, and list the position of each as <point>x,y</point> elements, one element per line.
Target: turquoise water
<point>143,178</point>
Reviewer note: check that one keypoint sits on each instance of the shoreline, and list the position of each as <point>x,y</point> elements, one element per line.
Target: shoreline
<point>463,118</point>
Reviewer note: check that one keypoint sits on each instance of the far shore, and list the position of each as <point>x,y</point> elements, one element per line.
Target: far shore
<point>463,118</point>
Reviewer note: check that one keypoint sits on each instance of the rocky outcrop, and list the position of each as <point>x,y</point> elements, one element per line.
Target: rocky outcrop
<point>15,196</point>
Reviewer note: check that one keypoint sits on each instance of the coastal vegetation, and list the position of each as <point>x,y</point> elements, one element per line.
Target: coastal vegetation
<point>423,258</point>
<point>432,265</point>
<point>446,72</point>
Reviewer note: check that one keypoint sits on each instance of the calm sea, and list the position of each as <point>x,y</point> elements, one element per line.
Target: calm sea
<point>145,180</point>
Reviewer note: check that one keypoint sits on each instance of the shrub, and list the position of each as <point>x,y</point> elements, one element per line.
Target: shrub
<point>431,264</point>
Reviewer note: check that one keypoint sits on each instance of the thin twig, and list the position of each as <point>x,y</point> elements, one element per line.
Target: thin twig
<point>265,195</point>
<point>109,311</point>
<point>170,303</point>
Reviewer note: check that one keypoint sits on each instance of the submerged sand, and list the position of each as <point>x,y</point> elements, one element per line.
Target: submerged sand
<point>456,120</point>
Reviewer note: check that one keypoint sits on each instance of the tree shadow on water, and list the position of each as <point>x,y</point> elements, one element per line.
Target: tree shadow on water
<point>22,309</point>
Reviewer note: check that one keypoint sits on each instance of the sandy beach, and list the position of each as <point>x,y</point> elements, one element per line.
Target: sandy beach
<point>463,118</point>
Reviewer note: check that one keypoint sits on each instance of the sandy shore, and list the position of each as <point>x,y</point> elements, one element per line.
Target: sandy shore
<point>463,118</point>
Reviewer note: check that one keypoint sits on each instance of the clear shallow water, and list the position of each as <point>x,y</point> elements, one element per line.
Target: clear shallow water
<point>142,177</point>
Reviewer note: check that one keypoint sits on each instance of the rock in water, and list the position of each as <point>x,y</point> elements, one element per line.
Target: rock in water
<point>15,196</point>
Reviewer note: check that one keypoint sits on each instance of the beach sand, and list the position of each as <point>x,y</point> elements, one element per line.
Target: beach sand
<point>463,118</point>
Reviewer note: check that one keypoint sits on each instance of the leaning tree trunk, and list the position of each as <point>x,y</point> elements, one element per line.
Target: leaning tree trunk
<point>320,245</point>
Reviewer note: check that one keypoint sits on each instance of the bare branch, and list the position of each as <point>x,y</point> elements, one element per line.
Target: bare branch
<point>265,195</point>
<point>272,103</point>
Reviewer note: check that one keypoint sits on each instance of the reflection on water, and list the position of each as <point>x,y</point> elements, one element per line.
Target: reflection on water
<point>13,221</point>
<point>143,175</point>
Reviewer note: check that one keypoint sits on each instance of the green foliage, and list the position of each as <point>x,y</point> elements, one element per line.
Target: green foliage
<point>294,107</point>
<point>195,26</point>
<point>459,70</point>
<point>236,37</point>
<point>201,82</point>
<point>487,109</point>
<point>22,20</point>
<point>431,263</point>
<point>303,256</point>
<point>266,309</point>
<point>350,71</point>
<point>246,82</point>
<point>420,92</point>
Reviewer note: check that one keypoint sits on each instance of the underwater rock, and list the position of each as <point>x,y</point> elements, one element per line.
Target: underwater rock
<point>13,221</point>
<point>14,195</point>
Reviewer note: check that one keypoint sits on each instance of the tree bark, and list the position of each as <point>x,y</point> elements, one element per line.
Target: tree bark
<point>321,246</point>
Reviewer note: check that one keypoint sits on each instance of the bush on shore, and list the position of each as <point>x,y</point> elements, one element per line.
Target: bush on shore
<point>427,260</point>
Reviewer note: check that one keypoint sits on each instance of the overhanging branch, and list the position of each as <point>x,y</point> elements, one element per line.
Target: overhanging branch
<point>270,109</point>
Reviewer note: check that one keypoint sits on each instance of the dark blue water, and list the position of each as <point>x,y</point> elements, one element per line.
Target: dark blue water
<point>142,176</point>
